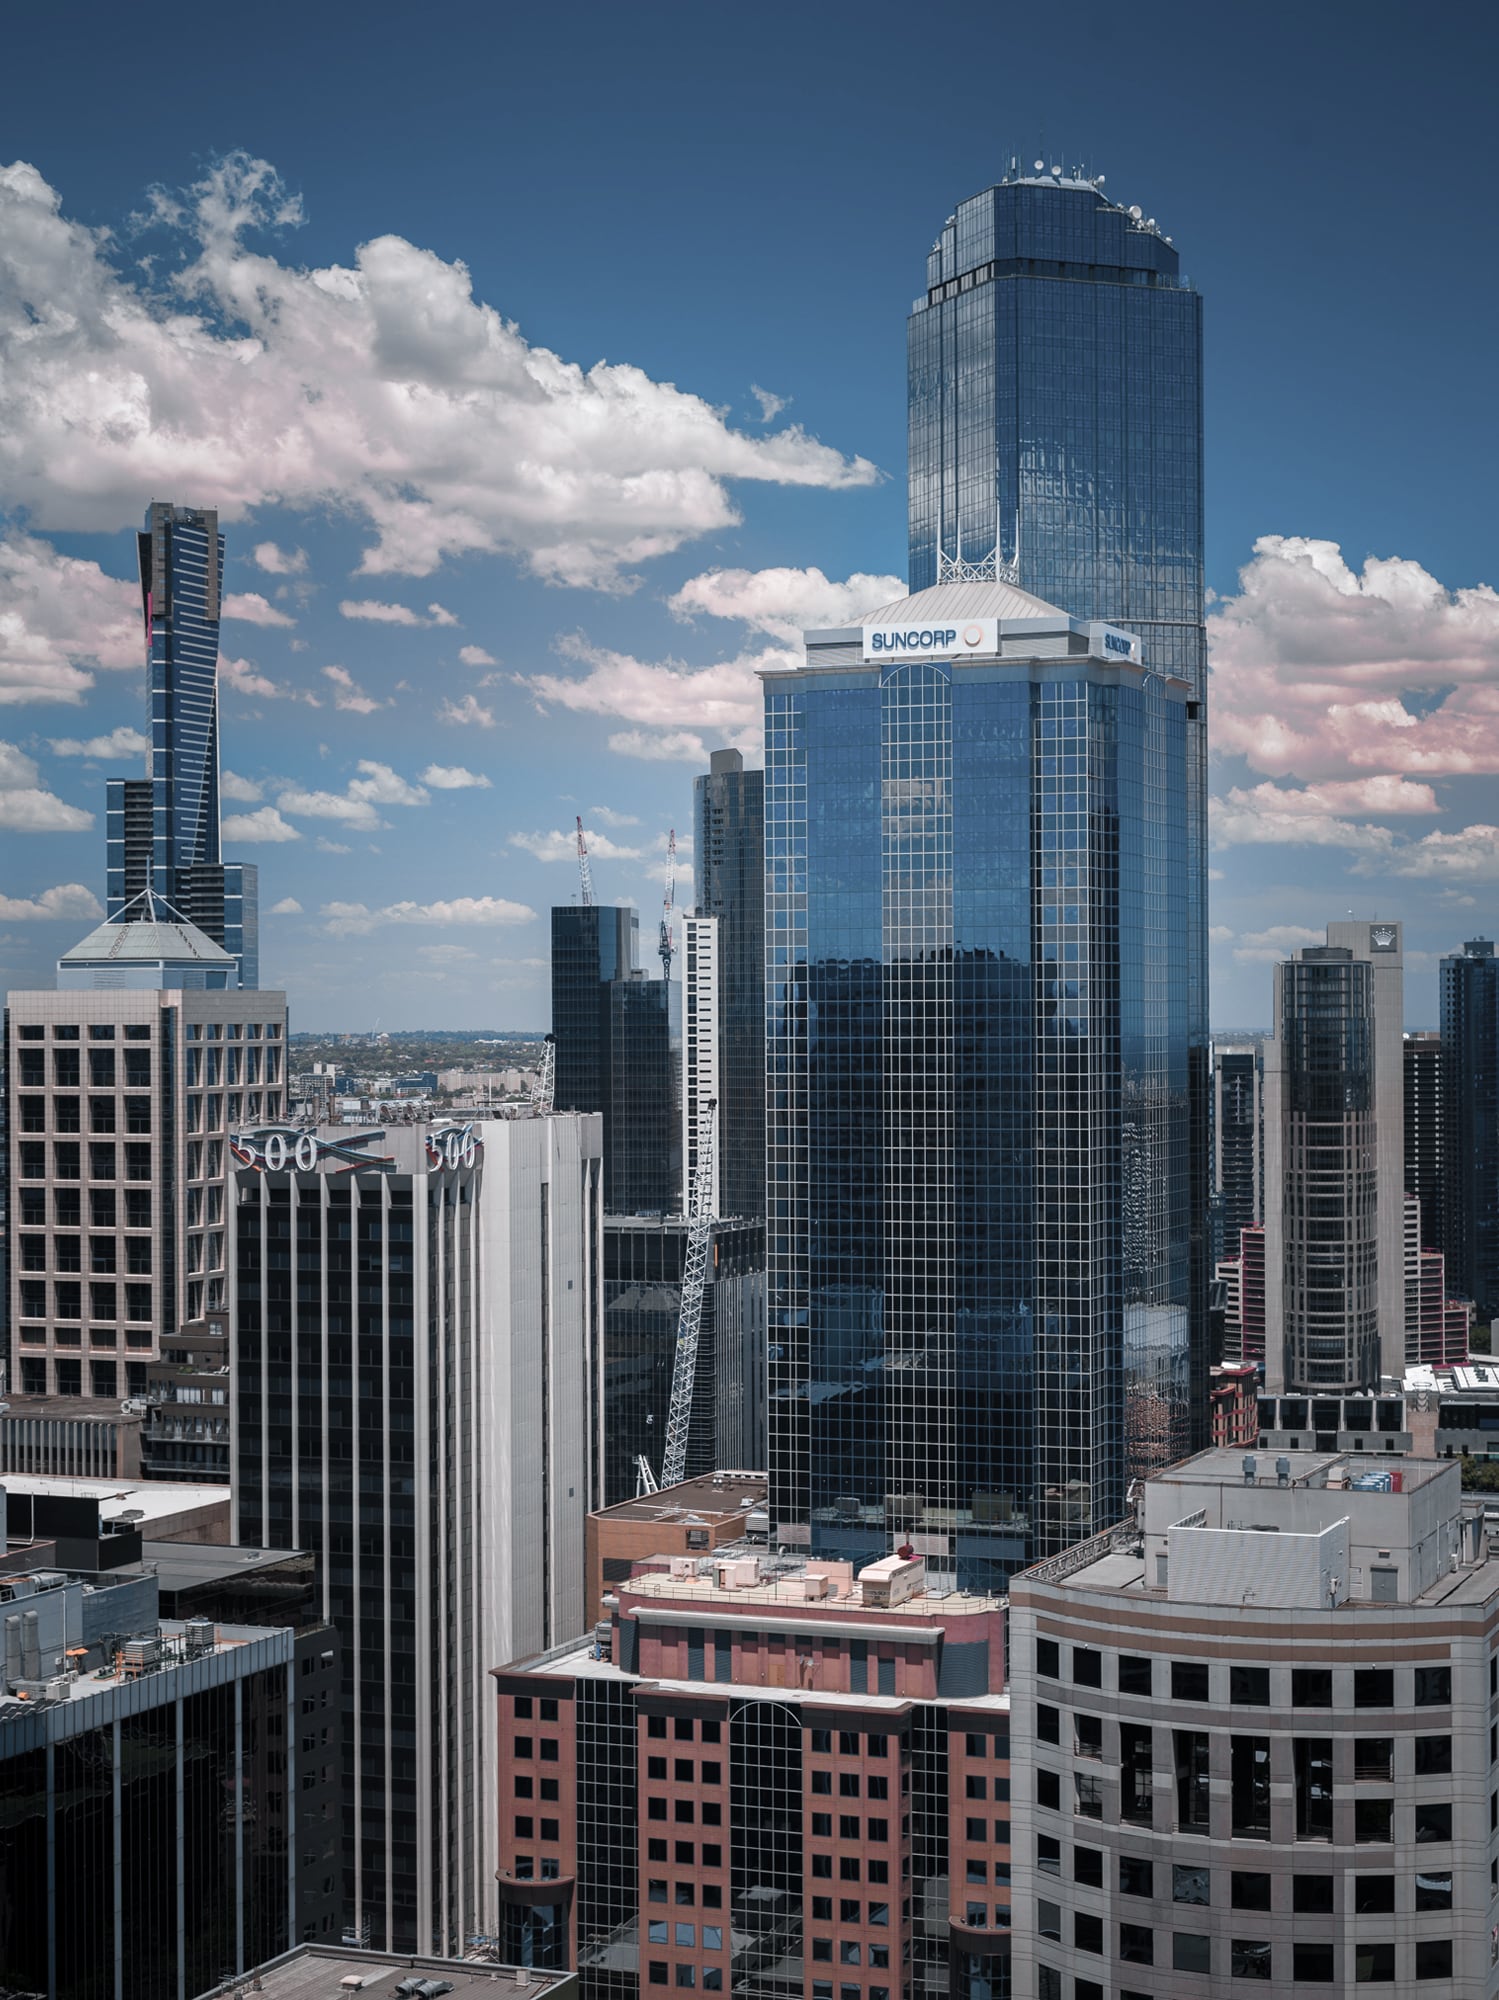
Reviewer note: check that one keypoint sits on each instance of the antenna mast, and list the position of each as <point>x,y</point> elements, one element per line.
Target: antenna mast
<point>584,871</point>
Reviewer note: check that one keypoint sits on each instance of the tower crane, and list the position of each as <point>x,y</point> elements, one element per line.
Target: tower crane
<point>694,1285</point>
<point>584,871</point>
<point>544,1086</point>
<point>668,903</point>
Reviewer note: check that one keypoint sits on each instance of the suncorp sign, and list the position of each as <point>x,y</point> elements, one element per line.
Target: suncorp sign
<point>931,642</point>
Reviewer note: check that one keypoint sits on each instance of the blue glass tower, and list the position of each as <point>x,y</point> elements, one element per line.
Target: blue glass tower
<point>1055,407</point>
<point>163,830</point>
<point>978,1166</point>
<point>1470,1050</point>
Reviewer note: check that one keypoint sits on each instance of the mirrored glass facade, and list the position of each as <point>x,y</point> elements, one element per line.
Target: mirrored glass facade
<point>1055,420</point>
<point>729,878</point>
<point>1470,1044</point>
<point>977,1106</point>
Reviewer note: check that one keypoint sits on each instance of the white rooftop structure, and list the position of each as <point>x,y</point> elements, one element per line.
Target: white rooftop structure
<point>149,945</point>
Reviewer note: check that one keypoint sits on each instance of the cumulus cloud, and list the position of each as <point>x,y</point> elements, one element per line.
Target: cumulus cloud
<point>326,846</point>
<point>1319,668</point>
<point>611,818</point>
<point>358,804</point>
<point>373,612</point>
<point>470,713</point>
<point>673,746</point>
<point>1469,855</point>
<point>244,791</point>
<point>383,387</point>
<point>68,899</point>
<point>351,919</point>
<point>771,405</point>
<point>559,846</point>
<point>60,616</point>
<point>453,778</point>
<point>121,742</point>
<point>26,806</point>
<point>1268,947</point>
<point>475,656</point>
<point>783,602</point>
<point>287,907</point>
<point>348,694</point>
<point>253,609</point>
<point>267,824</point>
<point>723,700</point>
<point>247,679</point>
<point>280,562</point>
<point>1309,816</point>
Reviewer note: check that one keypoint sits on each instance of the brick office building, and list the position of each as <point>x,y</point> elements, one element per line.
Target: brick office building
<point>763,1776</point>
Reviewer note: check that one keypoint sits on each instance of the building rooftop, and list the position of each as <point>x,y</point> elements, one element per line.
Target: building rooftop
<point>182,1565</point>
<point>147,931</point>
<point>712,1494</point>
<point>990,599</point>
<point>743,1574</point>
<point>142,1501</point>
<point>329,1972</point>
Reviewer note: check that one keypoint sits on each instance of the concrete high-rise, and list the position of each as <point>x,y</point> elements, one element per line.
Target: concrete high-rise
<point>416,1408</point>
<point>163,829</point>
<point>1055,403</point>
<point>1238,1143</point>
<point>978,1291</point>
<point>1470,1041</point>
<point>1426,1133</point>
<point>729,885</point>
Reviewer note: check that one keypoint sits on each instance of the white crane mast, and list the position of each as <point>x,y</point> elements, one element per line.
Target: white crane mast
<point>694,1285</point>
<point>544,1084</point>
<point>584,871</point>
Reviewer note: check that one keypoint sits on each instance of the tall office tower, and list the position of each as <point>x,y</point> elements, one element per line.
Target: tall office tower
<point>617,1037</point>
<point>1251,1740</point>
<point>1238,1139</point>
<point>163,829</point>
<point>1335,1165</point>
<point>729,885</point>
<point>415,1408</point>
<point>1437,1328</point>
<point>1055,386</point>
<point>702,1057</point>
<point>124,1086</point>
<point>1426,1133</point>
<point>644,1260</point>
<point>768,1775</point>
<point>1243,1279</point>
<point>977,1103</point>
<point>1470,1038</point>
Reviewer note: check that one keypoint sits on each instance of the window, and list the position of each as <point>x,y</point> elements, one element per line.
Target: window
<point>1371,1820</point>
<point>1087,1667</point>
<point>712,1937</point>
<point>1136,1876</point>
<point>1087,1866</point>
<point>686,1937</point>
<point>1048,1659</point>
<point>656,1889</point>
<point>849,1952</point>
<point>1087,1931</point>
<point>1311,1895</point>
<point>1373,1895</point>
<point>1433,1687</point>
<point>685,1894</point>
<point>1312,1962</point>
<point>822,1865</point>
<point>1049,1790</point>
<point>1048,1729</point>
<point>1373,1757</point>
<point>1088,1736</point>
<point>1189,1885</point>
<point>848,1826</point>
<point>1249,1771</point>
<point>1189,1680</point>
<point>822,1782</point>
<point>1048,1855</point>
<point>1249,1687</point>
<point>822,1826</point>
<point>978,1788</point>
<point>1249,1891</point>
<point>1088,1791</point>
<point>1434,1892</point>
<point>1134,1674</point>
<point>848,1784</point>
<point>656,1931</point>
<point>1049,1920</point>
<point>1191,1747</point>
<point>1312,1762</point>
<point>687,1975</point>
<point>1434,1958</point>
<point>1136,1944</point>
<point>1191,1952</point>
<point>1434,1822</point>
<point>1136,1783</point>
<point>1374,1963</point>
<point>1434,1756</point>
<point>1373,1687</point>
<point>1249,1958</point>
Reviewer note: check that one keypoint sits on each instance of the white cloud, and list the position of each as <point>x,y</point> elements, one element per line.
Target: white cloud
<point>675,746</point>
<point>1471,855</point>
<point>378,785</point>
<point>348,694</point>
<point>247,679</point>
<point>470,713</point>
<point>26,806</point>
<point>612,818</point>
<point>253,609</point>
<point>59,616</point>
<point>475,656</point>
<point>771,405</point>
<point>783,603</point>
<point>559,846</point>
<point>1268,947</point>
<point>383,387</point>
<point>723,701</point>
<point>1309,817</point>
<point>453,778</point>
<point>287,907</point>
<point>446,954</point>
<point>382,786</point>
<point>280,562</point>
<point>121,742</point>
<point>375,613</point>
<point>437,615</point>
<point>1318,668</point>
<point>243,790</point>
<point>1220,933</point>
<point>266,824</point>
<point>350,919</point>
<point>326,846</point>
<point>68,899</point>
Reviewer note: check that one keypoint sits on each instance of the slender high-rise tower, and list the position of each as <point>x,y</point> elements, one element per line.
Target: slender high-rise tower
<point>728,860</point>
<point>163,829</point>
<point>1055,385</point>
<point>1470,1042</point>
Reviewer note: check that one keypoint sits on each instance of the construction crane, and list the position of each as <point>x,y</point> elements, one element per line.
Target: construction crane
<point>668,902</point>
<point>583,868</point>
<point>545,1084</point>
<point>645,1479</point>
<point>694,1284</point>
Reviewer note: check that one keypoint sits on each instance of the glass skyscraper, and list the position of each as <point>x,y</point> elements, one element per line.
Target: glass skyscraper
<point>978,1187</point>
<point>1055,401</point>
<point>163,829</point>
<point>729,883</point>
<point>1470,1042</point>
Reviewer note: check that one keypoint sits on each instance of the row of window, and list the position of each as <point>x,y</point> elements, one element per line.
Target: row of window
<point>683,1936</point>
<point>1248,1686</point>
<point>65,1253</point>
<point>67,1376</point>
<point>685,1853</point>
<point>68,1031</point>
<point>1248,1958</point>
<point>683,1769</point>
<point>875,1786</point>
<point>849,1825</point>
<point>1249,1889</point>
<point>683,1727</point>
<point>67,1161</point>
<point>875,1744</point>
<point>104,1209</point>
<point>68,1300</point>
<point>685,1811</point>
<point>850,1951</point>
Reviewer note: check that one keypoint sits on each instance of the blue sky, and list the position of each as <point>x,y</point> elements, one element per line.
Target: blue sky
<point>576,345</point>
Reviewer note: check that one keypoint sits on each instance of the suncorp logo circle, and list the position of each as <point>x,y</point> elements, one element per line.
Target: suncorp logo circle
<point>973,635</point>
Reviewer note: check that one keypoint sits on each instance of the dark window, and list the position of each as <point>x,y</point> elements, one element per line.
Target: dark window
<point>1433,1822</point>
<point>1087,1931</point>
<point>1373,1687</point>
<point>1434,1892</point>
<point>1249,1958</point>
<point>1373,1758</point>
<point>1087,1866</point>
<point>1136,1783</point>
<point>1189,1680</point>
<point>1049,1790</point>
<point>1313,1768</point>
<point>1136,1944</point>
<point>1311,1895</point>
<point>1249,1687</point>
<point>1434,1958</point>
<point>1087,1667</point>
<point>1048,1659</point>
<point>1048,1722</point>
<point>1374,1963</point>
<point>975,1787</point>
<point>1049,1920</point>
<point>1189,1885</point>
<point>1371,1820</point>
<point>1048,1855</point>
<point>1134,1674</point>
<point>1373,1895</point>
<point>1433,1687</point>
<point>1191,1952</point>
<point>1191,1747</point>
<point>1088,1735</point>
<point>1249,1768</point>
<point>1312,1962</point>
<point>1136,1876</point>
<point>1433,1756</point>
<point>1250,1891</point>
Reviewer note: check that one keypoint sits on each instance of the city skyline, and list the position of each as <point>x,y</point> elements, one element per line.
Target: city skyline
<point>777,455</point>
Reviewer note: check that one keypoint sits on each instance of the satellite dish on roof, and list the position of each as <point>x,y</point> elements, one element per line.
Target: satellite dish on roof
<point>1136,211</point>
<point>1040,166</point>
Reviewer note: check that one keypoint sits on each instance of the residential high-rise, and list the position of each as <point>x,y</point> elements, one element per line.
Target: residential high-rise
<point>1055,403</point>
<point>764,1775</point>
<point>1470,1039</point>
<point>1426,1133</point>
<point>617,1039</point>
<point>702,1057</point>
<point>415,1407</point>
<point>729,886</point>
<point>124,1087</point>
<point>1238,1139</point>
<point>978,1288</point>
<point>1251,1738</point>
<point>163,829</point>
<point>1335,1308</point>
